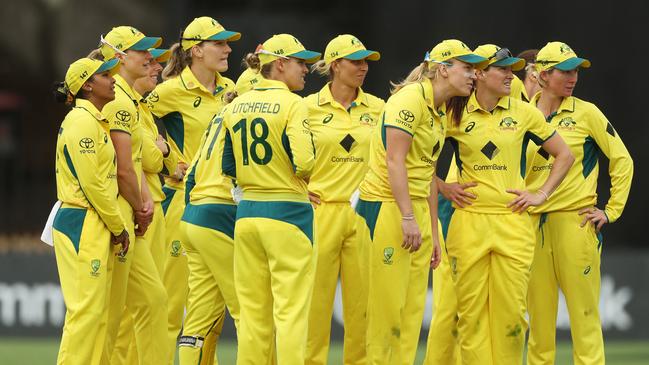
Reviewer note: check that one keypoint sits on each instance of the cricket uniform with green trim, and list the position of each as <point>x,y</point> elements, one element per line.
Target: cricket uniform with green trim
<point>86,181</point>
<point>342,143</point>
<point>490,249</point>
<point>208,224</point>
<point>398,280</point>
<point>146,295</point>
<point>186,108</point>
<point>123,117</point>
<point>269,150</point>
<point>567,255</point>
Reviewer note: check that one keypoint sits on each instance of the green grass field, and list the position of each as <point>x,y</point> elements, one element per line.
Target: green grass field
<point>17,351</point>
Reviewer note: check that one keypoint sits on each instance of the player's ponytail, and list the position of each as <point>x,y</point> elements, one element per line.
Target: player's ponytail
<point>95,54</point>
<point>251,61</point>
<point>177,62</point>
<point>322,69</point>
<point>425,70</point>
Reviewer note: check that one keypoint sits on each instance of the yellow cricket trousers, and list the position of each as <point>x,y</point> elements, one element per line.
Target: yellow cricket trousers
<point>176,272</point>
<point>142,332</point>
<point>398,281</point>
<point>567,256</point>
<point>121,269</point>
<point>274,267</point>
<point>83,256</point>
<point>209,243</point>
<point>339,252</point>
<point>442,347</point>
<point>490,257</point>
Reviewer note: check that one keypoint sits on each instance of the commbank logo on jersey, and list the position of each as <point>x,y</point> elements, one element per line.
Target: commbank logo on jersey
<point>327,118</point>
<point>123,116</point>
<point>86,143</point>
<point>490,150</point>
<point>567,124</point>
<point>347,142</point>
<point>508,124</point>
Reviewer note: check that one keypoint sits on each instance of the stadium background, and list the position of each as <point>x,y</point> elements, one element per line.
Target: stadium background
<point>39,38</point>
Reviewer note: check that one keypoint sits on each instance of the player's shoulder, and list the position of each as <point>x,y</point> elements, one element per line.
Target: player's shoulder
<point>411,94</point>
<point>525,109</point>
<point>374,102</point>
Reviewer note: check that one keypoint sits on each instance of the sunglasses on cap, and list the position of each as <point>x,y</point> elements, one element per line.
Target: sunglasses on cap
<point>546,62</point>
<point>501,54</point>
<point>103,41</point>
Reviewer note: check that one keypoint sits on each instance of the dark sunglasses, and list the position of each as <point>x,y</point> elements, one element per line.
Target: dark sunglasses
<point>501,54</point>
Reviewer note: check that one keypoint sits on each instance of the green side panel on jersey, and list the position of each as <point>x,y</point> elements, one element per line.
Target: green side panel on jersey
<point>370,212</point>
<point>287,148</point>
<point>219,217</point>
<point>445,211</point>
<point>591,155</point>
<point>456,151</point>
<point>175,127</point>
<point>297,214</point>
<point>68,161</point>
<point>69,221</point>
<point>228,164</point>
<point>169,195</point>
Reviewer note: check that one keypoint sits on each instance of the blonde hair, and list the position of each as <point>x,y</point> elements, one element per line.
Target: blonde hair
<point>96,54</point>
<point>323,69</point>
<point>177,62</point>
<point>425,70</point>
<point>251,60</point>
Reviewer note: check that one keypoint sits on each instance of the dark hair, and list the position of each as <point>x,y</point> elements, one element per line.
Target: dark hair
<point>62,94</point>
<point>251,60</point>
<point>529,55</point>
<point>455,108</point>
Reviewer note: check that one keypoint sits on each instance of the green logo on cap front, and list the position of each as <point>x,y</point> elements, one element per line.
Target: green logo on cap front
<point>565,49</point>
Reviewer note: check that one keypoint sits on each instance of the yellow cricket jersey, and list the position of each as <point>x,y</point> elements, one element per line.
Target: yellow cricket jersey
<point>186,108</point>
<point>86,169</point>
<point>490,150</point>
<point>268,144</point>
<point>412,110</point>
<point>123,116</point>
<point>153,161</point>
<point>588,134</point>
<point>205,181</point>
<point>342,140</point>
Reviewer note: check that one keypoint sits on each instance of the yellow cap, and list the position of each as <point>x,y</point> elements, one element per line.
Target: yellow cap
<point>284,46</point>
<point>123,38</point>
<point>80,71</point>
<point>160,54</point>
<point>205,29</point>
<point>499,57</point>
<point>247,80</point>
<point>452,48</point>
<point>560,56</point>
<point>349,47</point>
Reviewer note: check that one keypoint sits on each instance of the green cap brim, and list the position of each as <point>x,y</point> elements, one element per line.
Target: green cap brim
<point>515,63</point>
<point>109,65</point>
<point>225,35</point>
<point>471,58</point>
<point>308,56</point>
<point>364,54</point>
<point>572,63</point>
<point>146,43</point>
<point>160,54</point>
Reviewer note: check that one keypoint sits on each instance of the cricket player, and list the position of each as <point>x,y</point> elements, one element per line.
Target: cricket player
<point>193,93</point>
<point>269,150</point>
<point>342,117</point>
<point>89,218</point>
<point>490,242</point>
<point>568,226</point>
<point>395,201</point>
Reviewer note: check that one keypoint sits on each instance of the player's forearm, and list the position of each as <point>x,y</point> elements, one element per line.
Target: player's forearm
<point>128,186</point>
<point>562,163</point>
<point>621,173</point>
<point>398,178</point>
